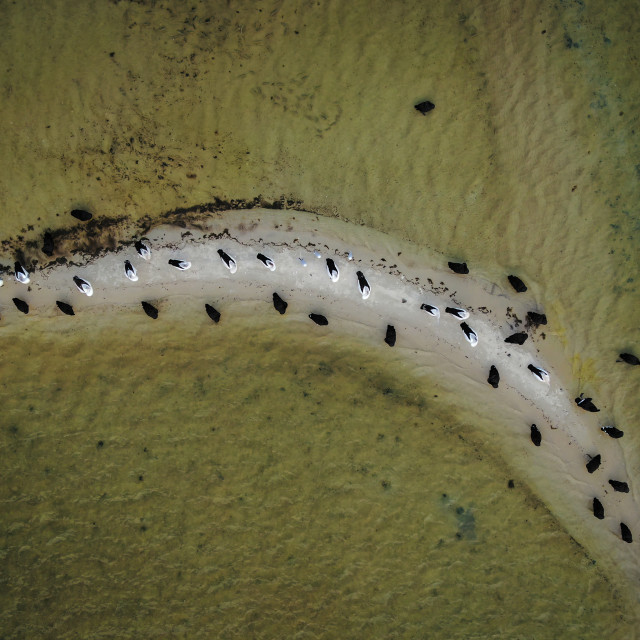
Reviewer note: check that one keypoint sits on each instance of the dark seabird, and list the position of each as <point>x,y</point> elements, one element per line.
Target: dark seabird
<point>279,304</point>
<point>267,262</point>
<point>47,245</point>
<point>67,309</point>
<point>150,310</point>
<point>459,267</point>
<point>21,273</point>
<point>494,377</point>
<point>612,431</point>
<point>539,373</point>
<point>598,509</point>
<point>424,107</point>
<point>536,436</point>
<point>629,358</point>
<point>83,286</point>
<point>536,318</point>
<point>390,337</point>
<point>431,310</point>
<point>130,271</point>
<point>621,487</point>
<point>594,463</point>
<point>81,215</point>
<point>332,270</point>
<point>517,338</point>
<point>625,532</point>
<point>143,249</point>
<point>462,314</point>
<point>586,404</point>
<point>517,284</point>
<point>183,265</point>
<point>363,285</point>
<point>319,319</point>
<point>228,261</point>
<point>21,305</point>
<point>469,334</point>
<point>214,314</point>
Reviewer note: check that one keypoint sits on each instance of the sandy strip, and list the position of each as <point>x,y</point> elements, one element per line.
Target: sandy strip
<point>401,279</point>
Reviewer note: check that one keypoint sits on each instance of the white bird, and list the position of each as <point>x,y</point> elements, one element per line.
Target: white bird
<point>130,271</point>
<point>143,249</point>
<point>183,265</point>
<point>267,262</point>
<point>303,262</point>
<point>462,314</point>
<point>349,256</point>
<point>21,274</point>
<point>317,254</point>
<point>469,334</point>
<point>539,373</point>
<point>363,285</point>
<point>228,261</point>
<point>431,310</point>
<point>83,286</point>
<point>332,270</point>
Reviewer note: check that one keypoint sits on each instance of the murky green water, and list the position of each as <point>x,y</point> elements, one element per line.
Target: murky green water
<point>328,519</point>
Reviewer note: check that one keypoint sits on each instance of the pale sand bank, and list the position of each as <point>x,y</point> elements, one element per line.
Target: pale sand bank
<point>401,279</point>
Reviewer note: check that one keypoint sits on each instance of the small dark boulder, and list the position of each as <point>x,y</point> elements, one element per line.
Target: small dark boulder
<point>536,318</point>
<point>517,338</point>
<point>620,487</point>
<point>21,305</point>
<point>629,358</point>
<point>150,310</point>
<point>279,304</point>
<point>536,436</point>
<point>390,337</point>
<point>82,215</point>
<point>424,107</point>
<point>586,404</point>
<point>494,377</point>
<point>213,313</point>
<point>47,244</point>
<point>67,309</point>
<point>459,267</point>
<point>598,509</point>
<point>517,284</point>
<point>594,463</point>
<point>319,319</point>
<point>625,532</point>
<point>612,432</point>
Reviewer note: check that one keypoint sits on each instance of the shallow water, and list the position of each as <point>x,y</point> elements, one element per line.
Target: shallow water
<point>526,164</point>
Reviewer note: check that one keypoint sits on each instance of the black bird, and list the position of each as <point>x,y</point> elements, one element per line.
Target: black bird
<point>390,337</point>
<point>319,319</point>
<point>586,404</point>
<point>214,314</point>
<point>424,107</point>
<point>517,284</point>
<point>629,358</point>
<point>279,304</point>
<point>625,532</point>
<point>539,373</point>
<point>21,305</point>
<point>461,314</point>
<point>621,487</point>
<point>536,318</point>
<point>598,509</point>
<point>363,285</point>
<point>494,377</point>
<point>612,432</point>
<point>150,310</point>
<point>517,338</point>
<point>67,309</point>
<point>459,267</point>
<point>594,463</point>
<point>81,215</point>
<point>430,309</point>
<point>536,436</point>
<point>47,245</point>
<point>267,262</point>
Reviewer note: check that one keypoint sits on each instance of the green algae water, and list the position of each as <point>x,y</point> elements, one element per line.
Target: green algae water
<point>183,479</point>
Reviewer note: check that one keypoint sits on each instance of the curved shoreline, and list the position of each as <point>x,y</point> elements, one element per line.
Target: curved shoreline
<point>400,282</point>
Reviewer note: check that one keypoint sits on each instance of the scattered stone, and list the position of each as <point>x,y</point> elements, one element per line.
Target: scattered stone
<point>459,267</point>
<point>424,107</point>
<point>517,284</point>
<point>494,377</point>
<point>82,215</point>
<point>517,338</point>
<point>594,463</point>
<point>536,436</point>
<point>150,310</point>
<point>390,337</point>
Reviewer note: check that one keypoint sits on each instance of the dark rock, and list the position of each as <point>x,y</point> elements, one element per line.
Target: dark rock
<point>21,305</point>
<point>517,338</point>
<point>459,267</point>
<point>536,436</point>
<point>82,215</point>
<point>517,284</point>
<point>67,309</point>
<point>279,304</point>
<point>629,358</point>
<point>598,509</point>
<point>390,337</point>
<point>424,107</point>
<point>150,310</point>
<point>214,314</point>
<point>594,463</point>
<point>47,244</point>
<point>625,532</point>
<point>620,487</point>
<point>319,319</point>
<point>494,377</point>
<point>536,318</point>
